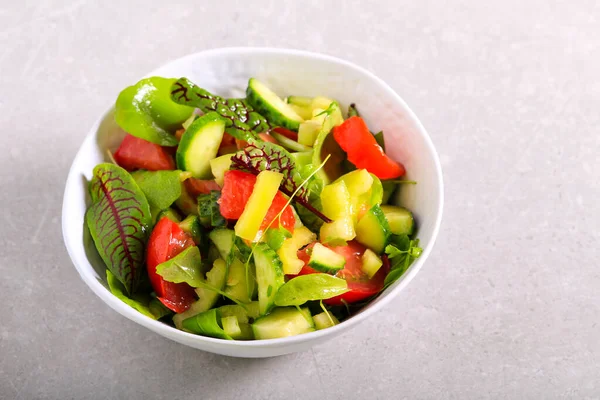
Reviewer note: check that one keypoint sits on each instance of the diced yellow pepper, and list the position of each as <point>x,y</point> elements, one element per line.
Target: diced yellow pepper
<point>265,189</point>
<point>288,252</point>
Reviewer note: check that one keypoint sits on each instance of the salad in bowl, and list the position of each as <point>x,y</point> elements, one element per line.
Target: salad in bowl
<point>249,218</point>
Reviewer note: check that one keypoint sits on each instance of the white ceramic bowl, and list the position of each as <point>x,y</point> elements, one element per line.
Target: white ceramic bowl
<point>226,72</point>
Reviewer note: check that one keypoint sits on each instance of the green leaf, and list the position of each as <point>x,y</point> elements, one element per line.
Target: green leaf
<point>276,236</point>
<point>161,188</point>
<point>301,289</point>
<point>242,251</point>
<point>146,110</point>
<point>206,324</point>
<point>208,208</point>
<point>184,267</point>
<point>380,139</point>
<point>158,309</point>
<point>352,111</point>
<point>119,219</point>
<point>401,253</point>
<point>241,120</point>
<point>117,289</point>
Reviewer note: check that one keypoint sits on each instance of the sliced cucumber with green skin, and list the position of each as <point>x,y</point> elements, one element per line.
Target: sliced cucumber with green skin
<point>218,166</point>
<point>191,226</point>
<point>301,101</point>
<point>271,106</point>
<point>289,144</point>
<point>200,144</point>
<point>237,286</point>
<point>169,213</point>
<point>325,145</point>
<point>231,326</point>
<point>373,230</point>
<point>269,276</point>
<point>302,158</point>
<point>370,263</point>
<point>283,322</point>
<point>325,320</point>
<point>324,259</point>
<point>207,298</point>
<point>223,241</point>
<point>400,220</point>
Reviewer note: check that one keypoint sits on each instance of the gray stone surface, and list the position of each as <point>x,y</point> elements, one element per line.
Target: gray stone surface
<point>507,306</point>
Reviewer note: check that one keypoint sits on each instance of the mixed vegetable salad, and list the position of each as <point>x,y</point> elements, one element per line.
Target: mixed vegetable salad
<point>252,218</point>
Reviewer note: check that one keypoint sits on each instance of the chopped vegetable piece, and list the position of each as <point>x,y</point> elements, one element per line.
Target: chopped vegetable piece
<point>354,138</point>
<point>135,153</point>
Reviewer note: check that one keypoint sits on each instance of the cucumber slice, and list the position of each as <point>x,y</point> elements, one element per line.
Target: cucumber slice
<point>223,240</point>
<point>288,143</point>
<point>308,132</point>
<point>169,213</point>
<point>237,286</point>
<point>218,166</point>
<point>191,226</point>
<point>300,101</point>
<point>338,232</point>
<point>269,276</point>
<point>326,145</point>
<point>271,106</point>
<point>200,144</point>
<point>370,263</point>
<point>302,158</point>
<point>373,230</point>
<point>231,326</point>
<point>283,322</point>
<point>243,314</point>
<point>324,259</point>
<point>207,298</point>
<point>325,320</point>
<point>400,219</point>
<point>304,112</point>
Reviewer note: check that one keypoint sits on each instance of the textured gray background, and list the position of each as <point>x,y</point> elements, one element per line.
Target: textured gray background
<point>507,306</point>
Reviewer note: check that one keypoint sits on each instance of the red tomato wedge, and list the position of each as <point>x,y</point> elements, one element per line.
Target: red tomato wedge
<point>135,153</point>
<point>359,284</point>
<point>166,241</point>
<point>287,133</point>
<point>237,188</point>
<point>196,187</point>
<point>354,138</point>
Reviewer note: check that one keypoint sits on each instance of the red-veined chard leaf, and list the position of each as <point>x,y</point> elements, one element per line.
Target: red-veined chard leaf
<point>118,220</point>
<point>242,121</point>
<point>264,156</point>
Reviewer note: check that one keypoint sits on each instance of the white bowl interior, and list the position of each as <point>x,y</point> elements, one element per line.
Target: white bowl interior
<point>288,72</point>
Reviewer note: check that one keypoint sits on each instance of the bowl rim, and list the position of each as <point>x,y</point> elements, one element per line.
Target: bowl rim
<point>90,278</point>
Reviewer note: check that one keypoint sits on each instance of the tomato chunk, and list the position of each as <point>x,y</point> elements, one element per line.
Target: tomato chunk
<point>166,241</point>
<point>354,138</point>
<point>237,188</point>
<point>359,283</point>
<point>135,153</point>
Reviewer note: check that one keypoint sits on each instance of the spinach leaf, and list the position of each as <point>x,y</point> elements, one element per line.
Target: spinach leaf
<point>119,220</point>
<point>161,188</point>
<point>401,253</point>
<point>304,288</point>
<point>208,209</point>
<point>184,267</point>
<point>146,110</point>
<point>143,304</point>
